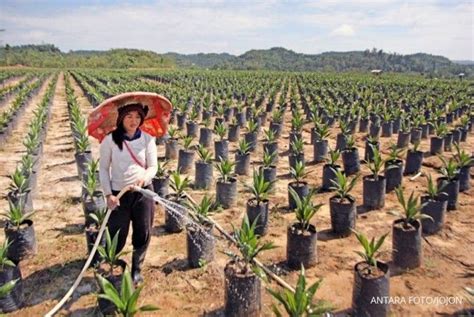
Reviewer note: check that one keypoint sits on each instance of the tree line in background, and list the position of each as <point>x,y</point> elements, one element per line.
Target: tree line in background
<point>47,55</point>
<point>282,59</point>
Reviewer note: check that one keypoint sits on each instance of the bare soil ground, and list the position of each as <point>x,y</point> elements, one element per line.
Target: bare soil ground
<point>180,291</point>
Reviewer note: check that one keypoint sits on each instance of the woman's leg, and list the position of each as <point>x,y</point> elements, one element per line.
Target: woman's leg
<point>120,220</point>
<point>142,215</point>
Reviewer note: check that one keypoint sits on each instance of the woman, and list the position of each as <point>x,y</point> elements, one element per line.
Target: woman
<point>128,156</point>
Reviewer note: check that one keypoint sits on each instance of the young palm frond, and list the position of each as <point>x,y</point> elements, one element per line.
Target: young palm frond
<point>179,184</point>
<point>109,253</point>
<point>244,147</point>
<point>432,189</point>
<point>98,216</point>
<point>342,185</point>
<point>16,215</point>
<point>221,130</point>
<point>161,170</point>
<point>300,302</point>
<point>260,187</point>
<point>376,164</point>
<point>270,136</point>
<point>187,140</point>
<point>297,146</point>
<point>125,299</point>
<point>6,288</point>
<point>19,182</point>
<point>4,260</point>
<point>333,157</point>
<point>204,154</point>
<point>268,158</point>
<point>450,168</point>
<point>462,157</point>
<point>370,248</point>
<point>305,210</point>
<point>411,208</point>
<point>248,242</point>
<point>395,152</point>
<point>225,169</point>
<point>202,209</point>
<point>298,172</point>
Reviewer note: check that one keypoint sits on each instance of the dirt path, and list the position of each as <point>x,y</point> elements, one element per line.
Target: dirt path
<point>12,151</point>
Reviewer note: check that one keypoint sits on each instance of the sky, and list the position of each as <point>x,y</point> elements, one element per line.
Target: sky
<point>439,27</point>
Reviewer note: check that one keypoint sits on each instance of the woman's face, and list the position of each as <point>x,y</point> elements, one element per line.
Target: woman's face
<point>131,121</point>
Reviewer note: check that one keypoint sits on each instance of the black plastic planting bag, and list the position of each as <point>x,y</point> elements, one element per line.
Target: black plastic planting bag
<point>23,241</point>
<point>13,300</point>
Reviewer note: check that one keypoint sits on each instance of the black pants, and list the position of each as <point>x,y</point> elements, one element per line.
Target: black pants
<point>139,210</point>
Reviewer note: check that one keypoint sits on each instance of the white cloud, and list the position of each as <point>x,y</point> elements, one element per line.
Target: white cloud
<point>229,26</point>
<point>343,30</point>
<point>163,27</point>
<point>396,26</point>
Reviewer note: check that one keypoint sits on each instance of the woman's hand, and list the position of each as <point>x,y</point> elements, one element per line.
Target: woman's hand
<point>112,202</point>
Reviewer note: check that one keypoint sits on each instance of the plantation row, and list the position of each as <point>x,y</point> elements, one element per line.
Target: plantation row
<point>10,114</point>
<point>249,140</point>
<point>20,239</point>
<point>8,75</point>
<point>8,90</point>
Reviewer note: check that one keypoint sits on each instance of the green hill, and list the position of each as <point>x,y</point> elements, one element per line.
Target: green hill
<point>282,59</point>
<point>50,56</point>
<point>276,58</point>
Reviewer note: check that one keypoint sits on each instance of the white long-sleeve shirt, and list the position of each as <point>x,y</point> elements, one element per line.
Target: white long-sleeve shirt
<point>117,169</point>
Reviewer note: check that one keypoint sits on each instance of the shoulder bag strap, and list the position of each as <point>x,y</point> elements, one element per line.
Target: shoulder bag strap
<point>133,155</point>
